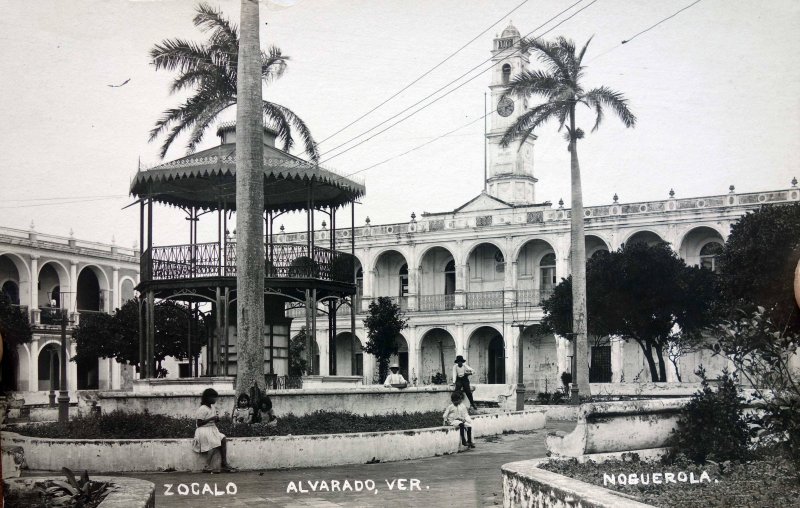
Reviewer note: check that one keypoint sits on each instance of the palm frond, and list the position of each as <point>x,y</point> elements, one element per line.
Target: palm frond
<point>209,19</point>
<point>605,96</point>
<point>180,55</point>
<point>202,122</point>
<point>285,120</point>
<point>579,59</point>
<point>193,78</point>
<point>535,82</point>
<point>273,64</point>
<point>531,120</point>
<point>547,53</point>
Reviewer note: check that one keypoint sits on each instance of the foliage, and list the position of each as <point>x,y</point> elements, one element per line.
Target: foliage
<point>559,84</point>
<point>439,379</point>
<point>210,70</point>
<point>765,482</point>
<point>644,293</point>
<point>566,379</point>
<point>758,262</point>
<point>77,493</point>
<point>119,425</point>
<point>15,329</point>
<point>762,353</point>
<point>384,322</point>
<point>297,360</point>
<point>713,426</point>
<point>117,336</point>
<point>550,398</point>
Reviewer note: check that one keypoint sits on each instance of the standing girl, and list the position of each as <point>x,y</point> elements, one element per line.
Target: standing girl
<point>207,437</point>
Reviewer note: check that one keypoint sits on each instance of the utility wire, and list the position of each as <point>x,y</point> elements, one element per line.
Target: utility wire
<point>426,72</point>
<point>448,84</point>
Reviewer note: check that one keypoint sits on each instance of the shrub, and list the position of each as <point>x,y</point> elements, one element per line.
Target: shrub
<point>78,493</point>
<point>566,379</point>
<point>712,426</point>
<point>549,398</point>
<point>438,379</point>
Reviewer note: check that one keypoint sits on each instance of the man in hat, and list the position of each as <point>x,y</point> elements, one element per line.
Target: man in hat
<point>395,378</point>
<point>461,373</point>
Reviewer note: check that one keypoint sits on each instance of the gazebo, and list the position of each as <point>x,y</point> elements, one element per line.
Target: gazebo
<point>308,274</point>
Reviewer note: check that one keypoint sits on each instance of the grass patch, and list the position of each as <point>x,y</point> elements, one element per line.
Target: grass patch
<point>119,425</point>
<point>768,481</point>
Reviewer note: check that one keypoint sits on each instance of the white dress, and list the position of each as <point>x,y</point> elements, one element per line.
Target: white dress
<point>208,436</point>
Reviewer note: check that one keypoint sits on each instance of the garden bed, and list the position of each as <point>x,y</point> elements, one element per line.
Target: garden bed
<point>119,425</point>
<point>768,481</point>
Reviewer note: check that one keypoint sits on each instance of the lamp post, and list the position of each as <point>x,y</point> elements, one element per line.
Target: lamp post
<point>520,383</point>
<point>63,395</point>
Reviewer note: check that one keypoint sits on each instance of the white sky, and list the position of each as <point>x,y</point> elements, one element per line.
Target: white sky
<point>715,90</point>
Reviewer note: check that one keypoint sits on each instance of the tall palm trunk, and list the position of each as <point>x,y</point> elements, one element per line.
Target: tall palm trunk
<point>249,205</point>
<point>578,266</point>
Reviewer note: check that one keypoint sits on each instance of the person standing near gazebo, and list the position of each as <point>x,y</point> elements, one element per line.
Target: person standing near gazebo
<point>461,373</point>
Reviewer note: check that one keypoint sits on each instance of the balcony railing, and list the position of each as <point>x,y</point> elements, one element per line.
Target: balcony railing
<point>436,302</point>
<point>532,297</point>
<point>285,260</point>
<point>50,315</point>
<point>486,300</point>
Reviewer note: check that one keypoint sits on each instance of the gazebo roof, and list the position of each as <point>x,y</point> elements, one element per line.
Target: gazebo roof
<point>207,180</point>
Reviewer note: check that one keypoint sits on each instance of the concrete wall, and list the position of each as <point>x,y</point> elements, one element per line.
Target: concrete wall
<point>524,484</point>
<point>368,400</point>
<point>646,423</point>
<point>262,452</point>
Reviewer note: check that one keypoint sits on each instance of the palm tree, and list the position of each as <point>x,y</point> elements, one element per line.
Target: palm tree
<point>249,206</point>
<point>210,69</point>
<point>559,84</point>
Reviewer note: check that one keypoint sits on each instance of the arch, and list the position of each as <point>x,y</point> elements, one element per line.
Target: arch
<point>89,292</point>
<point>387,251</point>
<point>434,276</point>
<point>437,352</point>
<point>646,236</point>
<point>694,240</point>
<point>387,267</point>
<point>506,73</point>
<point>538,243</point>
<point>53,275</point>
<point>127,289</point>
<point>477,243</point>
<point>23,270</point>
<point>10,288</point>
<point>484,355</point>
<point>344,355</point>
<point>49,367</point>
<point>487,267</point>
<point>595,244</point>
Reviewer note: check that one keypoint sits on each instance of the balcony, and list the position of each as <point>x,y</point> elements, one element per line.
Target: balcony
<point>427,303</point>
<point>283,260</point>
<point>486,300</point>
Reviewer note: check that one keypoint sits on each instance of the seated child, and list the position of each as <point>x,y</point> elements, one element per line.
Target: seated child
<point>243,412</point>
<point>266,409</point>
<point>456,415</point>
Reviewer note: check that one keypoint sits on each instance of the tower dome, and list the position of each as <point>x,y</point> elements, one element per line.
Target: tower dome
<point>510,31</point>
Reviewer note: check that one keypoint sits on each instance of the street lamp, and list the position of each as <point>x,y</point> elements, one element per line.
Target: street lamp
<point>519,313</point>
<point>63,394</point>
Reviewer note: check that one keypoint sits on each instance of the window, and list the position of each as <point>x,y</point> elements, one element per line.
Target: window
<point>547,272</point>
<point>499,262</point>
<point>506,73</point>
<point>709,255</point>
<point>404,280</point>
<point>360,281</point>
<point>450,278</point>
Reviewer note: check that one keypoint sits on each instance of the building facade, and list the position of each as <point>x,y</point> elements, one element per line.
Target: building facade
<point>472,280</point>
<point>45,274</point>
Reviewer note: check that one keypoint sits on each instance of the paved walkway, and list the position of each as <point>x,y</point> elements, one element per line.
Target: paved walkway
<point>463,480</point>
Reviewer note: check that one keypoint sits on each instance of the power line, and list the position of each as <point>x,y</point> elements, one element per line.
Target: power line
<point>448,84</point>
<point>451,55</point>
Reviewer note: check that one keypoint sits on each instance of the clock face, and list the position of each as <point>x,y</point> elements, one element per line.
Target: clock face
<point>505,107</point>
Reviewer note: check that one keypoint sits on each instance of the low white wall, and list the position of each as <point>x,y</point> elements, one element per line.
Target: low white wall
<point>619,426</point>
<point>367,400</point>
<point>524,484</point>
<point>255,453</point>
<point>188,385</point>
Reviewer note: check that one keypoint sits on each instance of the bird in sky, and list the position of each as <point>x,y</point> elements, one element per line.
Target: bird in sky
<point>121,84</point>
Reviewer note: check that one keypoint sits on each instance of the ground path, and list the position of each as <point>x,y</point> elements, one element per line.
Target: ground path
<point>462,480</point>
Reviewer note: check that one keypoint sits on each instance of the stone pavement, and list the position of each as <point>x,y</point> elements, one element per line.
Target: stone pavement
<point>466,479</point>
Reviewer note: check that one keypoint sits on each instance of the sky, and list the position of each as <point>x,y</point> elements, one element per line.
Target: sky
<point>715,90</point>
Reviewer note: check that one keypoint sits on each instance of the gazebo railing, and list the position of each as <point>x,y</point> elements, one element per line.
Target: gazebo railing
<point>283,260</point>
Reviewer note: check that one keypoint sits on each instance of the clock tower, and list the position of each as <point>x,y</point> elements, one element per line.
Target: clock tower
<point>510,169</point>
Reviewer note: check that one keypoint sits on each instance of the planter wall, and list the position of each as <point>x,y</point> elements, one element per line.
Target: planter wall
<point>524,484</point>
<point>619,426</point>
<point>257,453</point>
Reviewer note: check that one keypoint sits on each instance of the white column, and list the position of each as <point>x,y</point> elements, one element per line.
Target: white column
<point>413,287</point>
<point>34,290</point>
<point>116,374</point>
<point>73,285</point>
<point>72,367</point>
<point>461,346</point>
<point>369,282</point>
<point>616,360</point>
<point>33,367</point>
<point>324,353</point>
<point>115,291</point>
<point>462,286</point>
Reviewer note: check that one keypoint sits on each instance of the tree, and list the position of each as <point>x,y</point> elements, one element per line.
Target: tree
<point>384,322</point>
<point>117,336</point>
<point>297,345</point>
<point>560,85</point>
<point>210,70</point>
<point>642,293</point>
<point>250,253</point>
<point>758,262</point>
<point>15,329</point>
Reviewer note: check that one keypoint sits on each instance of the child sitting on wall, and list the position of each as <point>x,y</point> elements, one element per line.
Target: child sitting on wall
<point>456,415</point>
<point>243,412</point>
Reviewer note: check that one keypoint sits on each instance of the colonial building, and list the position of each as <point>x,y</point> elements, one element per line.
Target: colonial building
<point>45,274</point>
<point>472,280</point>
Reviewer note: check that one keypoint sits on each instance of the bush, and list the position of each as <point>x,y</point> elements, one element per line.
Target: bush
<point>549,398</point>
<point>566,379</point>
<point>438,379</point>
<point>712,426</point>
